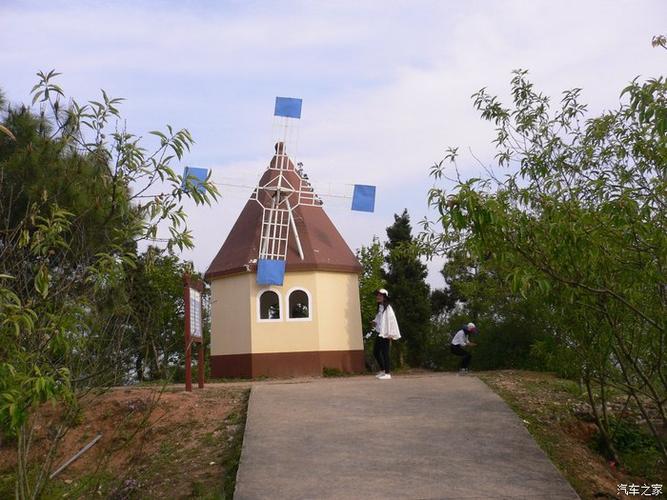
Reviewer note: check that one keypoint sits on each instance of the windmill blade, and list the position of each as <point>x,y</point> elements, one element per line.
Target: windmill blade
<point>295,231</point>
<point>360,196</point>
<point>274,237</point>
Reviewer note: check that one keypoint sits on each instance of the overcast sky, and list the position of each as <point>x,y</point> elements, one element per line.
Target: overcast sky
<point>386,85</point>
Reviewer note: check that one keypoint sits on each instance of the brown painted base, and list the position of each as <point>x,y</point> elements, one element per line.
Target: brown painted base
<point>285,364</point>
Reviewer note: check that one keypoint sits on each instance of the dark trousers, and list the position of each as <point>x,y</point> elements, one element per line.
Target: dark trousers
<point>381,353</point>
<point>460,351</point>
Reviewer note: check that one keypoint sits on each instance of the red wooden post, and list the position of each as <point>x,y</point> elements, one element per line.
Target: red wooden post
<point>188,360</point>
<point>201,364</point>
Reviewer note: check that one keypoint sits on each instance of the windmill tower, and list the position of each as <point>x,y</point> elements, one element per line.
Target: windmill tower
<point>284,285</point>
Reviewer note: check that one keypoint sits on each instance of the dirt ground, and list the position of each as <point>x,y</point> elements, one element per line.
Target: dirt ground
<point>156,443</point>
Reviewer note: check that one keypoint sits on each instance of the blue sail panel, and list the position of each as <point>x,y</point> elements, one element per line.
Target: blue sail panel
<point>288,106</point>
<point>270,272</point>
<point>363,198</point>
<point>196,176</point>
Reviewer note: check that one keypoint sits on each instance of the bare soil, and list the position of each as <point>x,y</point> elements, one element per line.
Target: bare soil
<point>156,443</point>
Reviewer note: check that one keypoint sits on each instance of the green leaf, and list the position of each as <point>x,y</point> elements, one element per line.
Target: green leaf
<point>42,281</point>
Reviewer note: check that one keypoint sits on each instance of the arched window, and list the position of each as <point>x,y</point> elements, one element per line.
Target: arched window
<point>299,305</point>
<point>269,305</point>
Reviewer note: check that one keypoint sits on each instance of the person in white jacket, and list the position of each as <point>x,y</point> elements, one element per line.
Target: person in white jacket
<point>386,326</point>
<point>461,340</point>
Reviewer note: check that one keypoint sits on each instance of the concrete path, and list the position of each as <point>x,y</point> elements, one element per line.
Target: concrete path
<point>414,437</point>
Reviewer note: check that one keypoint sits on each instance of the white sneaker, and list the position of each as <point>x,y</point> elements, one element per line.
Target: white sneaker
<point>379,374</point>
<point>386,376</point>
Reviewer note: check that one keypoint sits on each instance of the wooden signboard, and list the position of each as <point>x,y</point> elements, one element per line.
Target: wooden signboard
<point>192,293</point>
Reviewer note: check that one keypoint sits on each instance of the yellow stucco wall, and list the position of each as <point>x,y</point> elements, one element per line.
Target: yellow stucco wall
<point>286,335</point>
<point>335,322</point>
<point>339,321</point>
<point>230,308</point>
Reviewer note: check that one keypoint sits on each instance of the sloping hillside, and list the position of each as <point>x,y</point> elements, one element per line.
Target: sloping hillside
<point>155,444</point>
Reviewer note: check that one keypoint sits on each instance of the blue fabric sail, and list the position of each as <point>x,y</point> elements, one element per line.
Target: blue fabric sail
<point>196,176</point>
<point>288,106</point>
<point>363,198</point>
<point>270,272</point>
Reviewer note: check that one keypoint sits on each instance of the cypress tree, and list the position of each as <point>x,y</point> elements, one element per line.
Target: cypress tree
<point>409,292</point>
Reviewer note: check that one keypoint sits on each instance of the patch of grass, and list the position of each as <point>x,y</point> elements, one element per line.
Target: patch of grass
<point>158,382</point>
<point>628,436</point>
<point>569,387</point>
<point>644,463</point>
<point>74,417</point>
<point>332,372</point>
<point>226,380</point>
<point>235,418</point>
<point>636,449</point>
<point>231,456</point>
<point>167,448</point>
<point>199,490</point>
<point>83,487</point>
<point>209,439</point>
<point>7,482</point>
<point>208,495</point>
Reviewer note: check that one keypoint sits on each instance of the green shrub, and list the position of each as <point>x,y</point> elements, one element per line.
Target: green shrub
<point>500,345</point>
<point>636,449</point>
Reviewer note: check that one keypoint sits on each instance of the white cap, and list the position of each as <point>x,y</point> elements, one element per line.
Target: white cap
<point>471,326</point>
<point>383,292</point>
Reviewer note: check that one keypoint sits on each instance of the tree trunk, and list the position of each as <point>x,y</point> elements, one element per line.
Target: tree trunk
<point>602,427</point>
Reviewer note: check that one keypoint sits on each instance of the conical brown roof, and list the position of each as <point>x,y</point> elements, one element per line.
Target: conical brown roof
<point>323,246</point>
